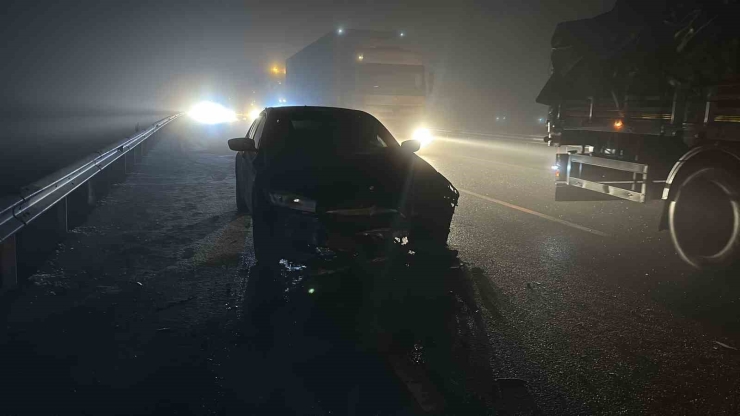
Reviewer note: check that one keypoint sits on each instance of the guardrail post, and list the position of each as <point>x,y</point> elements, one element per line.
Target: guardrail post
<point>90,193</point>
<point>63,203</point>
<point>61,208</point>
<point>137,154</point>
<point>8,264</point>
<point>128,162</point>
<point>117,170</point>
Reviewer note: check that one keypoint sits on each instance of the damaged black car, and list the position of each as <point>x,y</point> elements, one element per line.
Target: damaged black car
<point>326,182</point>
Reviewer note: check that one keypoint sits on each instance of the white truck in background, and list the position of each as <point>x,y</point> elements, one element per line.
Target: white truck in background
<point>366,70</point>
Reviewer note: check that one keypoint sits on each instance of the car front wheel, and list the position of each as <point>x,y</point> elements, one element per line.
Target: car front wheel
<point>266,246</point>
<point>430,230</point>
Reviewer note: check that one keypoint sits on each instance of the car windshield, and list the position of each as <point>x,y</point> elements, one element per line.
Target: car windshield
<point>341,132</point>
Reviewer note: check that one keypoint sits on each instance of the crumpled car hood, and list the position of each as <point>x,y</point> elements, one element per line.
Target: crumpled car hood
<point>385,178</point>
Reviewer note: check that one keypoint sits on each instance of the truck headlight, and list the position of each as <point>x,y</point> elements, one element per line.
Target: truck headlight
<point>423,136</point>
<point>292,201</point>
<point>253,114</point>
<point>208,112</point>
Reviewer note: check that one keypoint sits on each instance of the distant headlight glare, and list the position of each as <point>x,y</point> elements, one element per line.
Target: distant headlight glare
<point>208,112</point>
<point>254,114</point>
<point>423,136</point>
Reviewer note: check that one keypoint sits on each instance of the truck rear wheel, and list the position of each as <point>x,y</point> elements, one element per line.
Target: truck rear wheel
<point>704,218</point>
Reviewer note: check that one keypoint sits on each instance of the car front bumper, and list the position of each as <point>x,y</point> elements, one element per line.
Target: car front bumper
<point>302,236</point>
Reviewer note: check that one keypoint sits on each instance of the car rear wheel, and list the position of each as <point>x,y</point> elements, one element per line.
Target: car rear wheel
<point>704,218</point>
<point>241,197</point>
<point>241,204</point>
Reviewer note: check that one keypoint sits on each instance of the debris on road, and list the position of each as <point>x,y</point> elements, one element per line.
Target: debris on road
<point>723,345</point>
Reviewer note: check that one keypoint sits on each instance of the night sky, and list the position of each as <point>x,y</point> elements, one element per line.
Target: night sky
<point>140,56</point>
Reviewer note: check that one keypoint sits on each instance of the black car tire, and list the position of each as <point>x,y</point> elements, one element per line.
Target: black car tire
<point>433,209</point>
<point>241,204</point>
<point>241,200</point>
<point>266,250</point>
<point>264,245</point>
<point>429,234</point>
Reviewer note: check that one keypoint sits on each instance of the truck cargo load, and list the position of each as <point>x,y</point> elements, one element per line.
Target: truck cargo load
<point>645,105</point>
<point>668,41</point>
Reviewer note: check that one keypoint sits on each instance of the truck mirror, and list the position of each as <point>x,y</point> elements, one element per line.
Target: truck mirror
<point>430,82</point>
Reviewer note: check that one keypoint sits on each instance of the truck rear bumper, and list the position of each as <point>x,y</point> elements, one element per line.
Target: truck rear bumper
<point>603,179</point>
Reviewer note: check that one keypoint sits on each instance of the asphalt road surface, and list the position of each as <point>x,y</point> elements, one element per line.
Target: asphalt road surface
<point>603,316</point>
<point>539,308</point>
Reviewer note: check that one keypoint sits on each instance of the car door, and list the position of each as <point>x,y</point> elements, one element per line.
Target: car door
<point>246,160</point>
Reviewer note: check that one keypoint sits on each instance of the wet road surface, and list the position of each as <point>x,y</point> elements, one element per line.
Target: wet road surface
<point>603,315</point>
<point>556,308</point>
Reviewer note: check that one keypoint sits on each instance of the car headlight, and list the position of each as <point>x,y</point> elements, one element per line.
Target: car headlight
<point>423,136</point>
<point>292,201</point>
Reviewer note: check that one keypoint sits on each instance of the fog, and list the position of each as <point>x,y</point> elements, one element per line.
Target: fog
<point>136,61</point>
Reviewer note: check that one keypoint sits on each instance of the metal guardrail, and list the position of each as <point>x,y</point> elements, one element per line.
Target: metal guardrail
<point>18,211</point>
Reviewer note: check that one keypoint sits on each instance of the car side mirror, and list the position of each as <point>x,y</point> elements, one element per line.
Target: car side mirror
<point>242,144</point>
<point>411,146</point>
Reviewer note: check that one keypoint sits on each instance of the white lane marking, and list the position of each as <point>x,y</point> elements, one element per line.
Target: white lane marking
<point>535,213</point>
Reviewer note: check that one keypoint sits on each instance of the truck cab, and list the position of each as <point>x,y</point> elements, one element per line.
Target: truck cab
<point>376,72</point>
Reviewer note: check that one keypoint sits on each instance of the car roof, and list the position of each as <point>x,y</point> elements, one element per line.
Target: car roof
<point>308,109</point>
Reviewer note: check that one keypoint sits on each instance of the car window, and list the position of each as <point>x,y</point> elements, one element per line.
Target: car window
<point>330,131</point>
<point>252,129</point>
<point>258,131</point>
<point>380,141</point>
<point>385,136</point>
